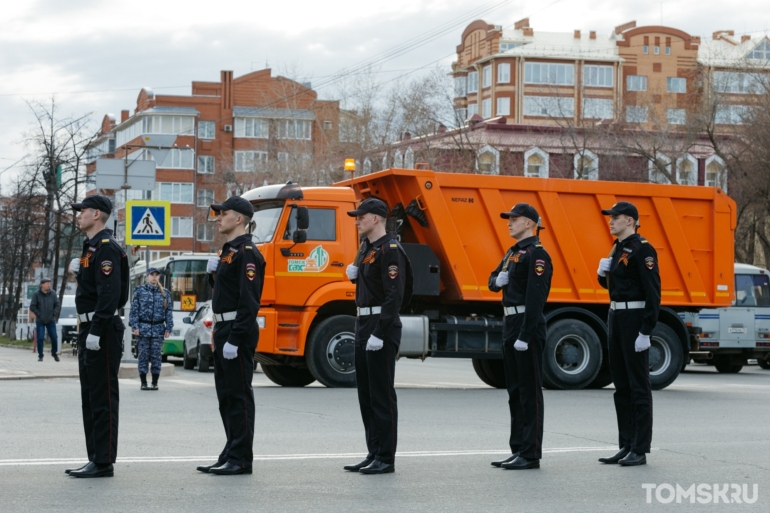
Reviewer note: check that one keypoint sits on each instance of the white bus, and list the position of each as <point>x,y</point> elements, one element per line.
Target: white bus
<point>185,276</point>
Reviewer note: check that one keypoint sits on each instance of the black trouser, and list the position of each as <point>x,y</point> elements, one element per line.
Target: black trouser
<point>375,375</point>
<point>524,380</point>
<point>236,397</point>
<point>631,374</point>
<point>99,393</point>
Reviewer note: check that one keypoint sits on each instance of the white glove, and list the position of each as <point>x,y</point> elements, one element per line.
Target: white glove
<point>642,343</point>
<point>213,263</point>
<point>604,266</point>
<point>92,342</point>
<point>352,272</point>
<point>374,343</point>
<point>520,345</point>
<point>229,351</point>
<point>502,279</point>
<point>74,265</point>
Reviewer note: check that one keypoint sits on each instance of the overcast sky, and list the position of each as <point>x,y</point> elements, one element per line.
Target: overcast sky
<point>95,55</point>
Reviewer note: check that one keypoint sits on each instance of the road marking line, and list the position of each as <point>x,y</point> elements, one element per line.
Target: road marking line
<point>289,457</point>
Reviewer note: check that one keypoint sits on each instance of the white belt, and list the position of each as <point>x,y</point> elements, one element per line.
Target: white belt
<point>513,310</point>
<point>227,316</point>
<point>630,305</point>
<point>369,310</point>
<point>88,317</point>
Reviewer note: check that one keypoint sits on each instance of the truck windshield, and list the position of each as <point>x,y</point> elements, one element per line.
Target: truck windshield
<point>752,290</point>
<point>266,216</point>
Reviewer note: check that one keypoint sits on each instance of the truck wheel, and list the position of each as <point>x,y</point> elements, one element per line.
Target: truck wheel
<point>572,356</point>
<point>727,367</point>
<point>490,372</point>
<point>602,379</point>
<point>288,376</point>
<point>187,362</point>
<point>764,363</point>
<point>666,356</point>
<point>330,352</point>
<point>203,363</point>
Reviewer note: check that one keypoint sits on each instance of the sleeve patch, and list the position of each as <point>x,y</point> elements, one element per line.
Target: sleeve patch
<point>649,262</point>
<point>539,267</point>
<point>393,272</point>
<point>251,271</point>
<point>107,267</point>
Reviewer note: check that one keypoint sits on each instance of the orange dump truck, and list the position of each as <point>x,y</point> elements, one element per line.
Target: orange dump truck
<point>451,229</point>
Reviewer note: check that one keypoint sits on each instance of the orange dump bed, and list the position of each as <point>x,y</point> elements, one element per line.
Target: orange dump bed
<point>691,228</point>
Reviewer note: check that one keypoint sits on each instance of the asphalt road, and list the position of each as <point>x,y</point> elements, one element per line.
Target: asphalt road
<point>708,429</point>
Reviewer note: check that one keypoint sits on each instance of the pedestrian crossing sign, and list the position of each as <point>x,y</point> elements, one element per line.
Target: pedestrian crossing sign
<point>148,223</point>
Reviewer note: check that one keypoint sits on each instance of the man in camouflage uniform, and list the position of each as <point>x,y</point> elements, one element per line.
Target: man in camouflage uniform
<point>152,320</point>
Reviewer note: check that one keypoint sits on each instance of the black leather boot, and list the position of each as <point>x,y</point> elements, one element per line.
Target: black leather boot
<point>155,381</point>
<point>143,377</point>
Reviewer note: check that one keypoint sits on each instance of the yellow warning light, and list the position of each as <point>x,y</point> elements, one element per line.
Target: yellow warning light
<point>350,165</point>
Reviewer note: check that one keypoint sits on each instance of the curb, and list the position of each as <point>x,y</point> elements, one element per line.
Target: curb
<point>37,376</point>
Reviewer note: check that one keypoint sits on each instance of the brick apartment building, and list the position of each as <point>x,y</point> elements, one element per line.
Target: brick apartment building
<point>231,135</point>
<point>525,93</point>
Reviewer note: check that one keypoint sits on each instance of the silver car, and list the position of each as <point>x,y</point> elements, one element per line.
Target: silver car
<point>198,339</point>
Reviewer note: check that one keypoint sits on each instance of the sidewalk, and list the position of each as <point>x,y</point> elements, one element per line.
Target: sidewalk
<point>21,363</point>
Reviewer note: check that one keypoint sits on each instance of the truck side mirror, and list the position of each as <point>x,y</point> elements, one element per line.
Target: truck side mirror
<point>303,218</point>
<point>299,237</point>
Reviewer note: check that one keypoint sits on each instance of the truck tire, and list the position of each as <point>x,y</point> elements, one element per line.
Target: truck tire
<point>203,363</point>
<point>666,356</point>
<point>727,367</point>
<point>330,352</point>
<point>490,372</point>
<point>188,362</point>
<point>572,357</point>
<point>764,363</point>
<point>288,376</point>
<point>602,379</point>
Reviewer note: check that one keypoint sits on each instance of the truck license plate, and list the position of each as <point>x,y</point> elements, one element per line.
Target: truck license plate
<point>736,330</point>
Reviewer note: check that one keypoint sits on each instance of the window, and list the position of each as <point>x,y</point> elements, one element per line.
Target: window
<point>676,85</point>
<point>205,232</point>
<point>473,109</point>
<point>536,163</point>
<point>716,174</point>
<point>668,50</point>
<point>205,164</point>
<point>545,73</point>
<point>473,82</point>
<point>549,106</point>
<point>181,227</point>
<point>488,160</point>
<point>598,108</point>
<point>409,158</point>
<point>657,50</point>
<point>645,49</point>
<point>255,128</point>
<point>636,83</point>
<point>636,114</point>
<point>173,192</point>
<point>205,197</point>
<point>460,83</point>
<point>654,169</point>
<point>207,129</point>
<point>294,129</point>
<point>731,114</point>
<point>460,116</point>
<point>322,225</point>
<point>178,125</point>
<point>676,116</point>
<point>598,76</point>
<point>503,106</point>
<point>752,290</point>
<point>739,83</point>
<point>504,47</point>
<point>503,73</point>
<point>760,52</point>
<point>247,161</point>
<point>327,124</point>
<point>486,108</point>
<point>179,158</point>
<point>486,73</point>
<point>586,166</point>
<point>687,170</point>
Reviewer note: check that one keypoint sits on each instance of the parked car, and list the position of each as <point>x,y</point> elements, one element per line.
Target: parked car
<point>198,340</point>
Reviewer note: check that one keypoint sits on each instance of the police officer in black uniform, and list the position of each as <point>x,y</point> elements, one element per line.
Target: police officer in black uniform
<point>631,275</point>
<point>102,276</point>
<point>524,276</point>
<point>237,276</point>
<point>383,280</point>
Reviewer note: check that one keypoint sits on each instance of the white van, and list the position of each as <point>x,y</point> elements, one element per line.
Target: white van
<point>67,326</point>
<point>730,336</point>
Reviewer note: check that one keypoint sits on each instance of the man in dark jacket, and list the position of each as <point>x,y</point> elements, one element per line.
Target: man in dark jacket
<point>45,305</point>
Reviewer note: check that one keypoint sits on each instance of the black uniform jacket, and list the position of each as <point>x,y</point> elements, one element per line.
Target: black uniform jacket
<point>102,280</point>
<point>238,285</point>
<point>634,276</point>
<point>381,280</point>
<point>529,282</point>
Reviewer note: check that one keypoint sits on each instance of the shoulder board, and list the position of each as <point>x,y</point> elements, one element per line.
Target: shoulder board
<point>105,240</point>
<point>248,247</point>
<point>394,245</point>
<point>643,240</point>
<point>538,245</point>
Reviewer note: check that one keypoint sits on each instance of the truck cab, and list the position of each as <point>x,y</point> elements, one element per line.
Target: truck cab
<point>731,335</point>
